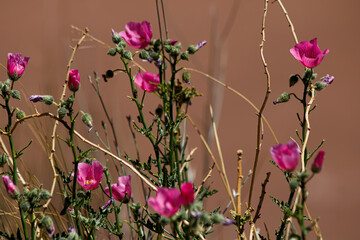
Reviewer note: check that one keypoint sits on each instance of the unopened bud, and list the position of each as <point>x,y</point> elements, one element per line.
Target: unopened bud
<point>155,56</point>
<point>20,114</point>
<point>293,185</point>
<point>308,74</point>
<point>47,99</point>
<point>174,52</point>
<point>284,97</point>
<point>112,52</point>
<point>15,94</point>
<point>186,76</point>
<point>87,120</point>
<point>62,112</point>
<point>293,80</point>
<point>185,56</point>
<point>25,206</point>
<point>3,159</point>
<point>320,86</point>
<point>192,49</point>
<point>128,55</point>
<point>144,55</point>
<point>115,37</point>
<point>167,48</point>
<point>45,195</point>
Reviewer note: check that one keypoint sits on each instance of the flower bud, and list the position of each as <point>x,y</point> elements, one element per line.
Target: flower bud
<point>62,112</point>
<point>314,75</point>
<point>45,195</point>
<point>284,97</point>
<point>25,206</point>
<point>3,159</point>
<point>308,74</point>
<point>192,49</point>
<point>179,46</point>
<point>15,94</point>
<point>167,48</point>
<point>174,52</point>
<point>128,55</point>
<point>293,80</point>
<point>115,37</point>
<point>155,56</point>
<point>16,65</point>
<point>119,49</point>
<point>318,162</point>
<point>87,120</point>
<point>34,193</point>
<point>185,56</point>
<point>186,76</point>
<point>74,80</point>
<point>111,52</point>
<point>20,114</point>
<point>47,99</point>
<point>144,55</point>
<point>47,223</point>
<point>293,185</point>
<point>320,86</point>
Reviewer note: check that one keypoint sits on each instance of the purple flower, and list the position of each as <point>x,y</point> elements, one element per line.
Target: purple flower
<point>147,81</point>
<point>47,99</point>
<point>122,189</point>
<point>71,229</point>
<point>200,44</point>
<point>328,79</point>
<point>137,35</point>
<point>286,156</point>
<point>228,222</point>
<point>187,193</point>
<point>16,65</point>
<point>89,176</point>
<point>308,53</point>
<point>318,162</point>
<point>9,185</point>
<point>74,80</point>
<point>108,203</point>
<point>167,201</point>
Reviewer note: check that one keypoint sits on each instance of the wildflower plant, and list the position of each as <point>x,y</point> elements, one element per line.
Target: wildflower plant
<point>173,206</point>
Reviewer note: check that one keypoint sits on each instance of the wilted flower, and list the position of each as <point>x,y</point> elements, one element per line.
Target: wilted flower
<point>74,80</point>
<point>328,79</point>
<point>187,193</point>
<point>108,203</point>
<point>318,162</point>
<point>228,222</point>
<point>16,65</point>
<point>308,53</point>
<point>47,99</point>
<point>89,176</point>
<point>137,35</point>
<point>47,223</point>
<point>167,201</point>
<point>286,156</point>
<point>147,81</point>
<point>87,120</point>
<point>9,185</point>
<point>121,189</point>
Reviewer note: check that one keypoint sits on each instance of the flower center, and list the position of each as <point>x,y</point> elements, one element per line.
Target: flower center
<point>89,181</point>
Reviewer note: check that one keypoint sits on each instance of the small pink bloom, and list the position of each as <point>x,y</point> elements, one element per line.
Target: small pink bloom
<point>318,162</point>
<point>286,156</point>
<point>10,186</point>
<point>121,189</point>
<point>147,81</point>
<point>328,79</point>
<point>137,35</point>
<point>89,176</point>
<point>167,201</point>
<point>187,193</point>
<point>16,65</point>
<point>308,53</point>
<point>74,80</point>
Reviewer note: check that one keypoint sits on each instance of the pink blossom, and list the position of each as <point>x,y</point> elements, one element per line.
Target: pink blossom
<point>308,53</point>
<point>147,81</point>
<point>74,80</point>
<point>89,176</point>
<point>187,193</point>
<point>16,65</point>
<point>137,35</point>
<point>10,186</point>
<point>318,162</point>
<point>167,201</point>
<point>286,156</point>
<point>121,189</point>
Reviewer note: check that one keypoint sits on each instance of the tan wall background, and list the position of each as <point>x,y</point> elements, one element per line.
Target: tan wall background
<point>41,30</point>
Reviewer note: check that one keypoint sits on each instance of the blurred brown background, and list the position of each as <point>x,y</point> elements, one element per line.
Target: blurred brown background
<point>41,30</point>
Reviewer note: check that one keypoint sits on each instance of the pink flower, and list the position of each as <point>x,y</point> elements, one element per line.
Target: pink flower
<point>147,81</point>
<point>167,201</point>
<point>10,186</point>
<point>187,193</point>
<point>16,65</point>
<point>89,176</point>
<point>121,189</point>
<point>308,53</point>
<point>137,35</point>
<point>286,156</point>
<point>74,80</point>
<point>318,162</point>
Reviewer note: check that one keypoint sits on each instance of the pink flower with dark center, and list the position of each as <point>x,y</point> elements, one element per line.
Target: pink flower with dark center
<point>286,156</point>
<point>308,53</point>
<point>187,193</point>
<point>74,80</point>
<point>147,81</point>
<point>16,65</point>
<point>137,35</point>
<point>167,201</point>
<point>89,176</point>
<point>9,185</point>
<point>318,162</point>
<point>121,189</point>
